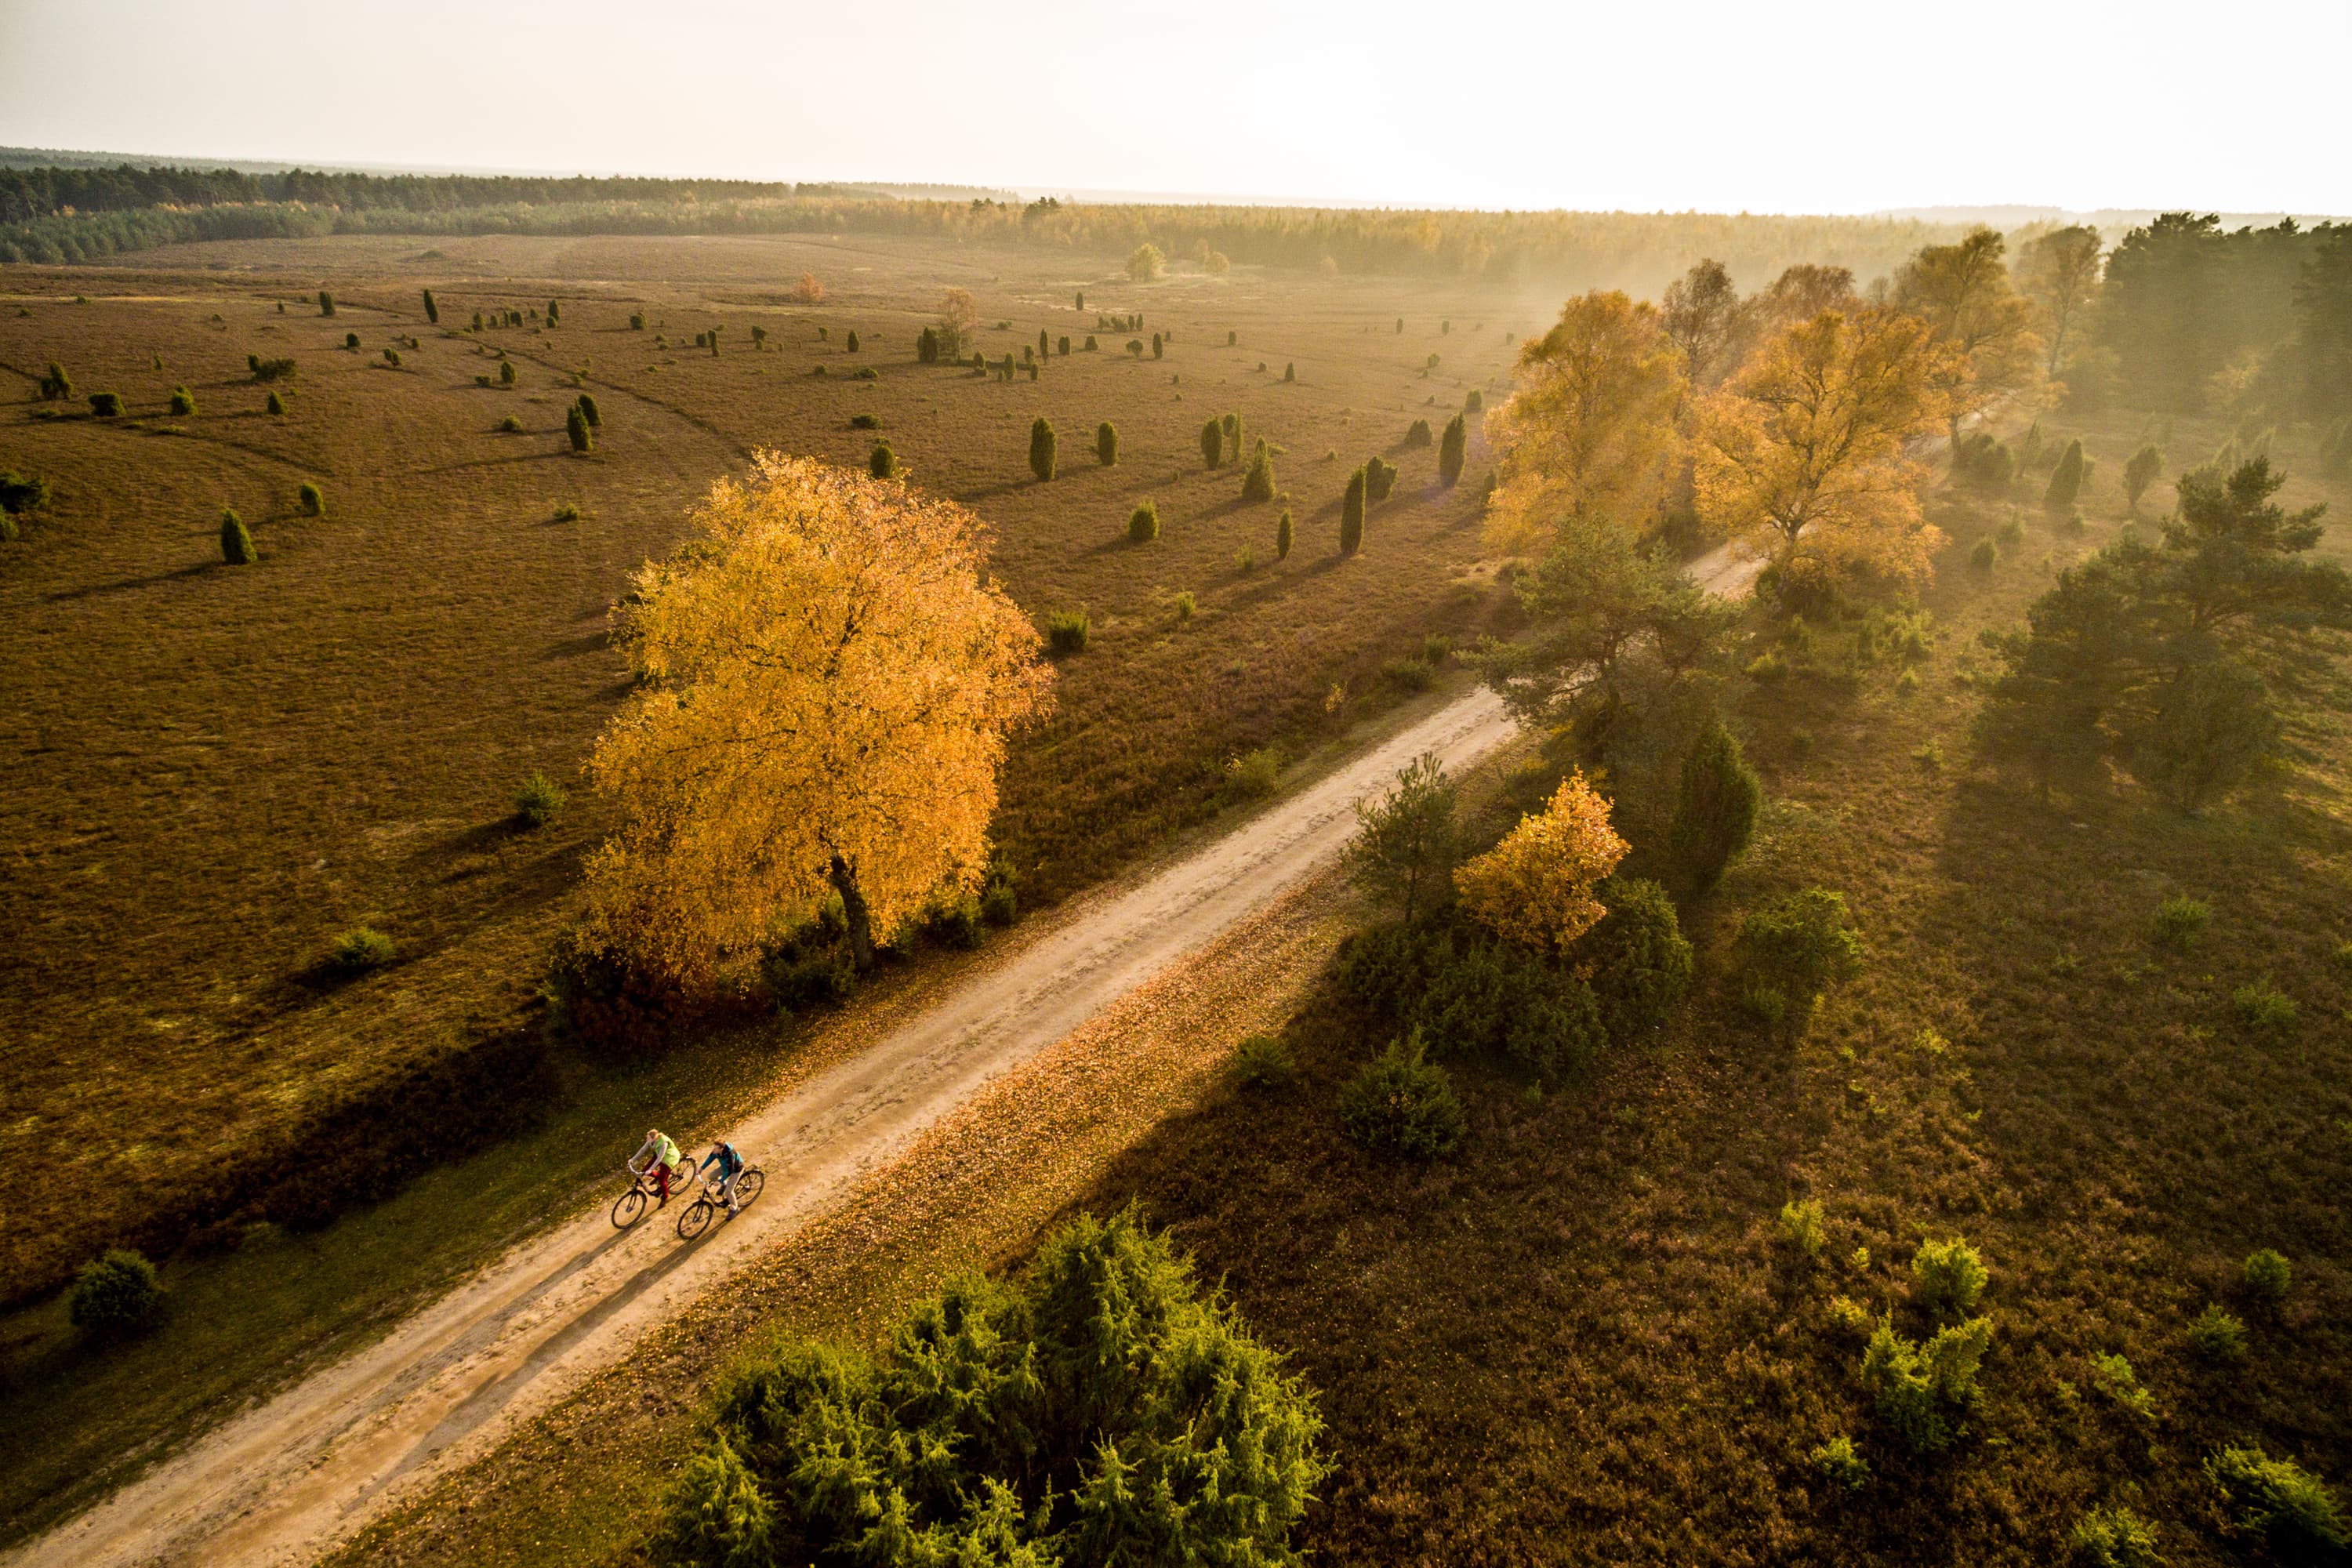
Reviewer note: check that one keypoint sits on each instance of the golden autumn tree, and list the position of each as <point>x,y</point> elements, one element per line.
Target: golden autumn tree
<point>1589,433</point>
<point>1535,888</point>
<point>1963,293</point>
<point>1805,456</point>
<point>827,687</point>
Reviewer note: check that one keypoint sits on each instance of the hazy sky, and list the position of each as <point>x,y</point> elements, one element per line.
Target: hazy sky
<point>1835,107</point>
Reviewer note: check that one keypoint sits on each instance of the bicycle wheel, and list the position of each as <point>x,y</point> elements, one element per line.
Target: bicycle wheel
<point>748,1185</point>
<point>628,1208</point>
<point>695,1219</point>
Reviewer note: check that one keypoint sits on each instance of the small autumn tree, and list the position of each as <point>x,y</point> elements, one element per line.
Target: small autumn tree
<point>1145,263</point>
<point>1803,457</point>
<point>1041,449</point>
<point>1535,888</point>
<point>2060,274</point>
<point>1701,314</point>
<point>827,688</point>
<point>1963,293</point>
<point>1589,433</point>
<point>1452,449</point>
<point>1106,444</point>
<point>959,318</point>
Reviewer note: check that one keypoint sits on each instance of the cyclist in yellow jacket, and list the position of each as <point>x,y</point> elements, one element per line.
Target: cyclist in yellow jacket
<point>663,1156</point>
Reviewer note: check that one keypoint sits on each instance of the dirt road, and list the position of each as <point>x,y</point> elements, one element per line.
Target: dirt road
<point>283,1481</point>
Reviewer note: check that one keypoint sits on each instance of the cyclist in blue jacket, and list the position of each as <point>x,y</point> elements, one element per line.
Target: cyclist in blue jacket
<point>729,1165</point>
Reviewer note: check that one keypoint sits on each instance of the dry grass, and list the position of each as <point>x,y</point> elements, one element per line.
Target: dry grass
<point>221,768</point>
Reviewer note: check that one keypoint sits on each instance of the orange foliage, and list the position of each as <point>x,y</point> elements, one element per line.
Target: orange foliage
<point>1535,888</point>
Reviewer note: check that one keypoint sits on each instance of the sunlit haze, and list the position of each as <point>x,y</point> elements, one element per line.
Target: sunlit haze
<point>1833,108</point>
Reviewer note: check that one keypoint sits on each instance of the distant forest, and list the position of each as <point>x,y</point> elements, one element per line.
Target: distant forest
<point>2187,311</point>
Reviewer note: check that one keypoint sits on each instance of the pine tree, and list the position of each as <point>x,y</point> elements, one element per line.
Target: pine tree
<point>1106,444</point>
<point>588,412</point>
<point>882,464</point>
<point>237,544</point>
<point>326,303</point>
<point>505,373</point>
<point>1212,443</point>
<point>311,500</point>
<point>576,425</point>
<point>184,402</point>
<point>926,346</point>
<point>1044,347</point>
<point>1157,349</point>
<point>1380,478</point>
<point>1417,437</point>
<point>1452,450</point>
<point>1082,300</point>
<point>1041,449</point>
<point>1714,809</point>
<point>1282,536</point>
<point>276,404</point>
<point>2066,480</point>
<point>1352,515</point>
<point>1143,524</point>
<point>554,312</point>
<point>1231,426</point>
<point>1290,371</point>
<point>432,310</point>
<point>850,342</point>
<point>1257,485</point>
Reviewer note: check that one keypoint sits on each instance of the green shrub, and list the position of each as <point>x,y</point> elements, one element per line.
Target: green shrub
<point>359,950</point>
<point>1290,371</point>
<point>1245,560</point>
<point>510,426</point>
<point>865,422</point>
<point>432,310</point>
<point>2066,480</point>
<point>274,404</point>
<point>308,496</point>
<point>1352,515</point>
<point>269,369</point>
<point>1798,945</point>
<point>2264,1008</point>
<point>1000,903</point>
<point>1985,556</point>
<point>106,405</point>
<point>955,922</point>
<point>1464,993</point>
<point>1282,536</point>
<point>2217,1335</point>
<point>1984,463</point>
<point>567,512</point>
<point>1143,524</point>
<point>2268,1275</point>
<point>1185,605</point>
<point>350,339</point>
<point>867,373</point>
<point>57,386</point>
<point>586,404</point>
<point>1041,449</point>
<point>799,978</point>
<point>882,462</point>
<point>1839,1466</point>
<point>1254,775</point>
<point>1257,485</point>
<point>326,303</point>
<point>1947,1276</point>
<point>1404,1103</point>
<point>115,1292</point>
<point>2116,1538</point>
<point>1264,1061</point>
<point>981,1429</point>
<point>505,373</point>
<point>1451,451</point>
<point>1091,344</point>
<point>1061,346</point>
<point>1925,1391</point>
<point>575,427</point>
<point>2180,921</point>
<point>1106,444</point>
<point>2011,532</point>
<point>1417,435</point>
<point>538,801</point>
<point>1801,1227</point>
<point>22,493</point>
<point>1066,631</point>
<point>235,541</point>
<point>1640,965</point>
<point>1714,809</point>
<point>1380,478</point>
<point>1212,443</point>
<point>184,402</point>
<point>2290,1510</point>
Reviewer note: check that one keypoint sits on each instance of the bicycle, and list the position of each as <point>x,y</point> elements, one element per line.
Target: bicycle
<point>697,1217</point>
<point>630,1207</point>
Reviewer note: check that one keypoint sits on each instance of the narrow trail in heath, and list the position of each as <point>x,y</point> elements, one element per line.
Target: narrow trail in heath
<point>281,1482</point>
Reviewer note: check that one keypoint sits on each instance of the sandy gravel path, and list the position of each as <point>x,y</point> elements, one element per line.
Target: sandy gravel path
<point>283,1482</point>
